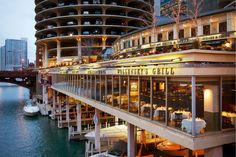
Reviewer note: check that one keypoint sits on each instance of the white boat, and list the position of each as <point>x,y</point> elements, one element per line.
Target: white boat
<point>44,109</point>
<point>30,109</point>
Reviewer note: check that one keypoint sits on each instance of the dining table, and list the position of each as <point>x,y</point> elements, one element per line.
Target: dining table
<point>186,124</point>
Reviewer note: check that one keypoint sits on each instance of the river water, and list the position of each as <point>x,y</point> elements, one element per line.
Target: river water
<point>22,136</point>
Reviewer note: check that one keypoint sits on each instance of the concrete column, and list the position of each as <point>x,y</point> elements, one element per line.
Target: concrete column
<point>45,95</point>
<point>188,153</point>
<point>67,110</point>
<point>116,120</point>
<point>104,39</point>
<point>79,49</point>
<point>199,28</point>
<point>211,107</point>
<point>214,28</point>
<point>215,151</point>
<point>96,120</point>
<point>58,51</point>
<point>187,32</point>
<point>54,104</point>
<point>193,105</point>
<point>45,56</point>
<point>175,33</point>
<point>231,22</point>
<point>78,119</point>
<point>131,140</point>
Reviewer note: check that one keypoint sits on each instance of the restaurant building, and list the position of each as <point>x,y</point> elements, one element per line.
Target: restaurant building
<point>182,90</point>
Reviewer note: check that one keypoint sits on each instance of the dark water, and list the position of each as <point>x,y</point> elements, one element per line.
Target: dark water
<point>22,136</point>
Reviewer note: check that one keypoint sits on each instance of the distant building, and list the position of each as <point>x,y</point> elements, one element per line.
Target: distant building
<point>208,5</point>
<point>16,54</point>
<point>2,58</point>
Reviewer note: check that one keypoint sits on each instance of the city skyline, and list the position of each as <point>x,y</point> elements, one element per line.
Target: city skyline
<point>20,25</point>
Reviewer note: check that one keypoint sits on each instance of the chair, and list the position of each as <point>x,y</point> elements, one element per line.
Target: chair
<point>178,119</point>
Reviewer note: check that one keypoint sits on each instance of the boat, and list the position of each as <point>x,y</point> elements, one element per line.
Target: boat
<point>30,108</point>
<point>44,109</point>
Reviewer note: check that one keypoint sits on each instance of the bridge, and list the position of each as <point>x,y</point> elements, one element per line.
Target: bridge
<point>25,78</point>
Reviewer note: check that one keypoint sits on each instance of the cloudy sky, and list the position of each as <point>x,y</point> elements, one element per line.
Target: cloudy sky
<point>17,21</point>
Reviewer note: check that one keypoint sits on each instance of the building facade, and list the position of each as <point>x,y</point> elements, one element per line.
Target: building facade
<point>76,31</point>
<point>181,89</point>
<point>206,6</point>
<point>15,54</point>
<point>2,58</point>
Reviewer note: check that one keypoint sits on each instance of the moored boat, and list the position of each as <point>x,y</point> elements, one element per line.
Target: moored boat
<point>30,109</point>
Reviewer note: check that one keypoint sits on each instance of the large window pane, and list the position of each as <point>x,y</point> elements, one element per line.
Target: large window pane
<point>228,103</point>
<point>179,101</point>
<point>82,85</point>
<point>89,86</point>
<point>109,90</point>
<point>159,99</point>
<point>116,92</point>
<point>98,88</point>
<point>103,88</point>
<point>134,95</point>
<point>145,104</point>
<point>93,88</point>
<point>124,93</point>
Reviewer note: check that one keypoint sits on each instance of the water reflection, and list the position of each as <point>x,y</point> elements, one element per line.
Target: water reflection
<point>26,136</point>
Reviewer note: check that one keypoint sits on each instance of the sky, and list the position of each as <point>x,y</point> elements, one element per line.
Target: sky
<point>17,21</point>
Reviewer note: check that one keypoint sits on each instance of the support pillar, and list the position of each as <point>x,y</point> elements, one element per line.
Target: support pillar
<point>215,151</point>
<point>58,52</point>
<point>116,121</point>
<point>104,42</point>
<point>79,50</point>
<point>96,120</point>
<point>67,111</point>
<point>78,119</point>
<point>45,56</point>
<point>45,96</point>
<point>211,107</point>
<point>53,104</point>
<point>131,140</point>
<point>193,105</point>
<point>188,153</point>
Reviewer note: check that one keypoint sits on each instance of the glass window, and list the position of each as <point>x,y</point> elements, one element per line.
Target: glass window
<point>98,88</point>
<point>171,35</point>
<point>228,103</point>
<point>159,99</point>
<point>179,101</point>
<point>78,85</point>
<point>89,86</point>
<point>116,96</point>
<point>134,95</point>
<point>208,103</point>
<point>124,93</point>
<point>82,85</point>
<point>143,40</point>
<point>103,87</point>
<point>193,32</point>
<point>222,27</point>
<point>181,33</point>
<point>206,29</point>
<point>150,39</point>
<point>93,85</point>
<point>109,90</point>
<point>159,37</point>
<point>145,104</point>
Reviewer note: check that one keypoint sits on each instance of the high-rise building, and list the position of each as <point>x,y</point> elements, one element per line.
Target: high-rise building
<point>78,31</point>
<point>16,54</point>
<point>2,58</point>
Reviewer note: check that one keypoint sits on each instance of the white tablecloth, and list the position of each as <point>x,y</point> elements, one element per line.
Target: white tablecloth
<point>144,106</point>
<point>157,111</point>
<point>185,114</point>
<point>187,125</point>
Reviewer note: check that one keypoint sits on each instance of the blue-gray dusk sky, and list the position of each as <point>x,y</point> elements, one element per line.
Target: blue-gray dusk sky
<point>17,21</point>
